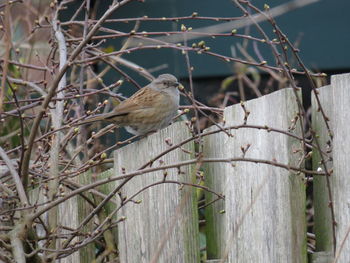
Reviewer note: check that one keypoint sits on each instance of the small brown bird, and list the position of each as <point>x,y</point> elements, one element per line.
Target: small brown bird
<point>150,109</point>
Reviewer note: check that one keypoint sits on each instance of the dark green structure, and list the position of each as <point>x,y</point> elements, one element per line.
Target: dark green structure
<point>322,28</point>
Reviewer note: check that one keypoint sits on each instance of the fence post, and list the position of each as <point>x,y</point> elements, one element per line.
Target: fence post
<point>263,216</point>
<point>161,223</point>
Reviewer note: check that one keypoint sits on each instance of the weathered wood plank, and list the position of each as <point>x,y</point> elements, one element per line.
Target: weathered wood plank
<point>322,213</point>
<point>162,226</point>
<point>341,159</point>
<point>88,252</point>
<point>264,218</point>
<point>110,235</point>
<point>67,217</point>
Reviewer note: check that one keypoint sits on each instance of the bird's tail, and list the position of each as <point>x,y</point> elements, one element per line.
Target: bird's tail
<point>109,117</point>
<point>95,118</point>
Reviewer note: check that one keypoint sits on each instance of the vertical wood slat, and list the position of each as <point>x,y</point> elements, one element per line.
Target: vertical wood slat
<point>163,225</point>
<point>322,213</point>
<point>87,253</point>
<point>340,180</point>
<point>264,207</point>
<point>110,235</point>
<point>67,217</point>
<point>335,102</point>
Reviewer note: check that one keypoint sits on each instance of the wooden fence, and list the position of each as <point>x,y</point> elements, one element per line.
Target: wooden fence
<point>262,216</point>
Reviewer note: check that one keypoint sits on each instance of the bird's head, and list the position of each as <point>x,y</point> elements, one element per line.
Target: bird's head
<point>165,81</point>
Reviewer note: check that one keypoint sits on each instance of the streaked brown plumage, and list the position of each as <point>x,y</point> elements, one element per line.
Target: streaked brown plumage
<point>150,109</point>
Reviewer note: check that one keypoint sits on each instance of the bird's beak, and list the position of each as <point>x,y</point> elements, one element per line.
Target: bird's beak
<point>176,84</point>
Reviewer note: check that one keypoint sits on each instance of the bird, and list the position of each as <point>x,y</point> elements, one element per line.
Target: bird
<point>150,109</point>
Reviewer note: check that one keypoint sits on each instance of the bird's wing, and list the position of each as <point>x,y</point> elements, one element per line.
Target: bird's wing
<point>142,99</point>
